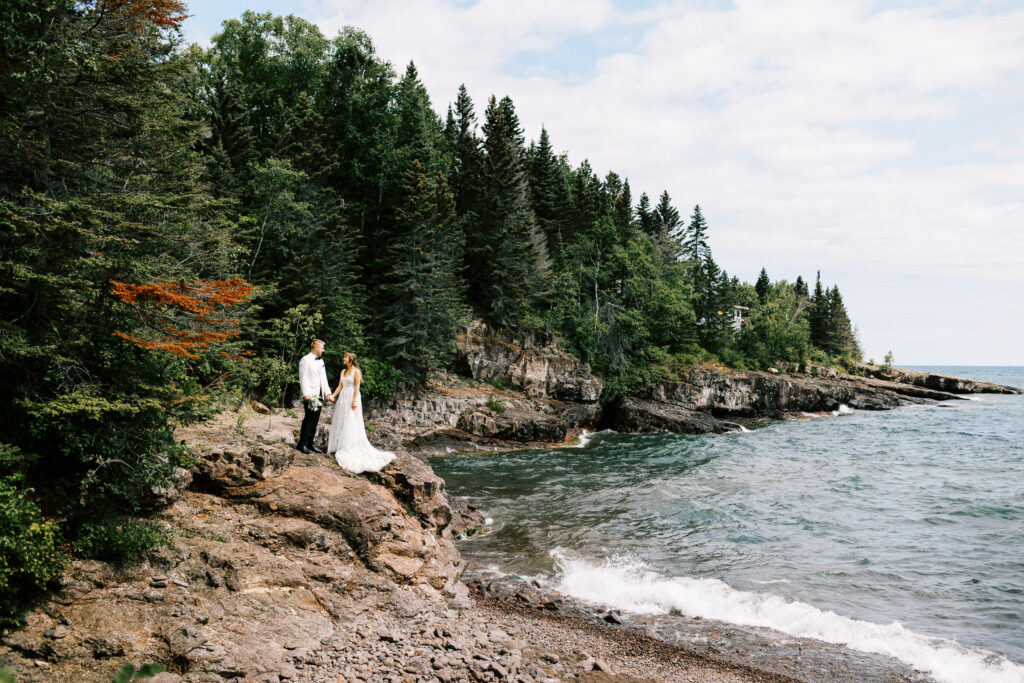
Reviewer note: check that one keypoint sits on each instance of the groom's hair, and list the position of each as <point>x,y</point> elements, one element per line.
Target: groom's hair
<point>317,341</point>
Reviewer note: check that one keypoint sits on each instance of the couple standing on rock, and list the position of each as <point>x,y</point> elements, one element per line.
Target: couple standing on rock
<point>347,438</point>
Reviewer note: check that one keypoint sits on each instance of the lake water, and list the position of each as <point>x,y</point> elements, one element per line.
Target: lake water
<point>898,532</point>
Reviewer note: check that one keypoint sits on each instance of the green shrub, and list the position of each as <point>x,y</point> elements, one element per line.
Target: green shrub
<point>495,405</point>
<point>119,540</point>
<point>380,379</point>
<point>13,460</point>
<point>30,557</point>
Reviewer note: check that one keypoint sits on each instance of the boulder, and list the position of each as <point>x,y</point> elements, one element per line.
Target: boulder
<point>369,518</point>
<point>514,425</point>
<point>412,481</point>
<point>466,519</point>
<point>242,464</point>
<point>631,414</point>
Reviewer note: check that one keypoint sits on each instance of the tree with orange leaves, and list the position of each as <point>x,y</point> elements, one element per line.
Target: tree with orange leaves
<point>183,318</point>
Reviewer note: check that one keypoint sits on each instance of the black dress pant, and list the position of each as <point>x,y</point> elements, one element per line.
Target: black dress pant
<point>307,432</point>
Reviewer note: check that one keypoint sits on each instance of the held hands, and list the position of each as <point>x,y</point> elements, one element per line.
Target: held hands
<point>330,398</point>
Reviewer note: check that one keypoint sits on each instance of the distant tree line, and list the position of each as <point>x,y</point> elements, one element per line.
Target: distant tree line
<point>176,223</point>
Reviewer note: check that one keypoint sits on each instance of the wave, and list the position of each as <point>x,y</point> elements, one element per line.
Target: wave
<point>843,410</point>
<point>583,439</point>
<point>626,584</point>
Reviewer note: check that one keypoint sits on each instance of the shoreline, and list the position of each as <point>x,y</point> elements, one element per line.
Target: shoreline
<point>752,653</point>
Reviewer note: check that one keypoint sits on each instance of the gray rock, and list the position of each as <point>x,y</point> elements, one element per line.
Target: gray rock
<point>540,371</point>
<point>221,466</point>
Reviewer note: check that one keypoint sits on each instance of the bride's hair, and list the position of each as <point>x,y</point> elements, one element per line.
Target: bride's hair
<point>355,359</point>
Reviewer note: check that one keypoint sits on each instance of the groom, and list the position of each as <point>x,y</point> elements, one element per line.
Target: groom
<point>315,389</point>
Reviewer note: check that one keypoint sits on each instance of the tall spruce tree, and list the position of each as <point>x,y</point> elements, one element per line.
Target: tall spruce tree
<point>425,307</point>
<point>506,254</point>
<point>668,215</point>
<point>586,201</point>
<point>622,212</point>
<point>839,337</point>
<point>817,316</point>
<point>800,287</point>
<point>646,218</point>
<point>548,191</point>
<point>762,287</point>
<point>695,240</point>
<point>466,154</point>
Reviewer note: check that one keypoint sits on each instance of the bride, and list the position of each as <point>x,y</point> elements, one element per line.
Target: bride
<point>347,439</point>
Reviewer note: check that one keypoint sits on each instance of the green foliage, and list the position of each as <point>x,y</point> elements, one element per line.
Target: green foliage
<point>506,254</point>
<point>381,379</point>
<point>776,330</point>
<point>130,673</point>
<point>494,404</point>
<point>888,360</point>
<point>762,286</point>
<point>30,557</point>
<point>426,308</point>
<point>121,540</point>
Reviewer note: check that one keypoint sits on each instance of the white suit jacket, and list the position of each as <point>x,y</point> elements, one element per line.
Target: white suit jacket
<point>313,376</point>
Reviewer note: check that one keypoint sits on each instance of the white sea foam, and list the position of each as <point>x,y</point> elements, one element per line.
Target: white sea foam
<point>583,439</point>
<point>628,585</point>
<point>843,410</point>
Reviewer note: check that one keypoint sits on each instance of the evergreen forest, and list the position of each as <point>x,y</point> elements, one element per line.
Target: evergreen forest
<point>177,223</point>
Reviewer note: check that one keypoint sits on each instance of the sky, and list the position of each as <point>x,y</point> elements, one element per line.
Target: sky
<point>881,143</point>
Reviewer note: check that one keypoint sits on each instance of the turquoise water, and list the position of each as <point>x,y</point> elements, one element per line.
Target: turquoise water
<point>899,532</point>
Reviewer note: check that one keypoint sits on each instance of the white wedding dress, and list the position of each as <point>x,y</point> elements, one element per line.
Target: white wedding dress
<point>347,439</point>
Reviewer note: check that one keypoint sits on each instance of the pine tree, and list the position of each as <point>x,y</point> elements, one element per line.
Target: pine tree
<point>550,197</point>
<point>466,155</point>
<point>508,111</point>
<point>418,131</point>
<point>668,215</point>
<point>695,240</point>
<point>230,145</point>
<point>762,287</point>
<point>646,217</point>
<point>424,308</point>
<point>839,338</point>
<point>711,288</point>
<point>586,201</point>
<point>800,287</point>
<point>817,317</point>
<point>623,209</point>
<point>505,252</point>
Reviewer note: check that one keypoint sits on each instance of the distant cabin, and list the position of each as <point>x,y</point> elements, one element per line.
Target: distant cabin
<point>739,317</point>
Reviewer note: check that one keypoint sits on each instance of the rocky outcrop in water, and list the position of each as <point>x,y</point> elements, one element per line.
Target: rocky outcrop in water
<point>928,380</point>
